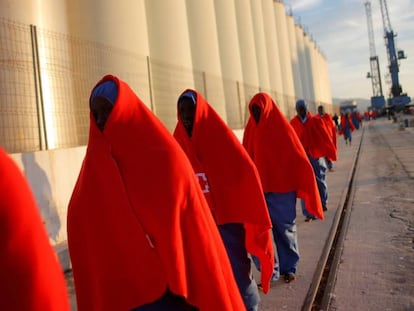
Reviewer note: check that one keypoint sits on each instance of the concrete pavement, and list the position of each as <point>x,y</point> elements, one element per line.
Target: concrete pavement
<point>377,264</point>
<point>377,271</point>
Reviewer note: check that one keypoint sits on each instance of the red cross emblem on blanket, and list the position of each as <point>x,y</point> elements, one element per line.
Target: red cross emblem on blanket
<point>202,179</point>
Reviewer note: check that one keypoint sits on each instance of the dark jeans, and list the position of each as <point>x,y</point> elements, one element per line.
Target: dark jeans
<point>234,236</point>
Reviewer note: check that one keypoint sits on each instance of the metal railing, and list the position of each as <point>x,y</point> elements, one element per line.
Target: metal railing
<point>46,78</point>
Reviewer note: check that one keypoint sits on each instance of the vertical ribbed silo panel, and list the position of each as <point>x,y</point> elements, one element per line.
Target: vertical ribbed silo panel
<point>294,56</point>
<point>205,53</point>
<point>248,56</point>
<point>114,39</point>
<point>300,44</point>
<point>246,39</point>
<point>327,84</point>
<point>260,45</point>
<point>108,37</point>
<point>315,74</point>
<point>273,54</point>
<point>308,74</point>
<point>19,127</point>
<point>170,55</point>
<point>284,51</point>
<point>230,58</point>
<point>322,78</point>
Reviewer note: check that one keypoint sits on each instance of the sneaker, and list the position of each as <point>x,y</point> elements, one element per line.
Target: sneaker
<point>259,286</point>
<point>309,219</point>
<point>324,208</point>
<point>289,277</point>
<point>275,277</point>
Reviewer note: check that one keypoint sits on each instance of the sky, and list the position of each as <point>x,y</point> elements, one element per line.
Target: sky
<point>339,28</point>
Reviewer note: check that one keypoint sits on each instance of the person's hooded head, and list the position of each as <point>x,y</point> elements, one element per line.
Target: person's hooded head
<point>321,110</point>
<point>186,110</point>
<point>102,101</point>
<point>302,109</point>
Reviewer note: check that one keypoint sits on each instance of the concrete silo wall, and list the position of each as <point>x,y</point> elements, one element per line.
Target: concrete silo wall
<point>285,54</point>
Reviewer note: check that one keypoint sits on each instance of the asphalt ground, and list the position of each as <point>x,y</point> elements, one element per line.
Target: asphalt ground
<point>377,265</point>
<point>376,270</point>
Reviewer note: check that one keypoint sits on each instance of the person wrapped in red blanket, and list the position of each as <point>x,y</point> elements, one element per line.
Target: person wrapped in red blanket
<point>347,127</point>
<point>331,128</point>
<point>231,184</point>
<point>285,173</point>
<point>140,233</point>
<point>317,142</point>
<point>32,278</point>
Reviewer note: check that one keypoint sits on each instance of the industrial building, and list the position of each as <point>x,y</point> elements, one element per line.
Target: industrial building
<point>54,51</point>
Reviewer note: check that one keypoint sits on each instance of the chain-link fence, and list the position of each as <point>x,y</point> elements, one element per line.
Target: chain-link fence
<point>46,79</point>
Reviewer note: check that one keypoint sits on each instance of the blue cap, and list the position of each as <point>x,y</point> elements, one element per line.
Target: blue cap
<point>189,94</point>
<point>107,89</point>
<point>301,103</point>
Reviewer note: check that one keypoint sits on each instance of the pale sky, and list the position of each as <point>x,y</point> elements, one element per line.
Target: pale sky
<point>339,27</point>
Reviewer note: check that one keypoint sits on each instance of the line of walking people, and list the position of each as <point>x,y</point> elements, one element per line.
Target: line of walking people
<point>170,222</point>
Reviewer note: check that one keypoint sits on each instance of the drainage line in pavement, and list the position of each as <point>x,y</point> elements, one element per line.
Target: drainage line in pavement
<point>319,294</point>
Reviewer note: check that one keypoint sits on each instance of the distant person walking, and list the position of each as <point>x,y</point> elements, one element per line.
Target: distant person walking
<point>141,236</point>
<point>317,142</point>
<point>347,127</point>
<point>285,173</point>
<point>231,185</point>
<point>330,126</point>
<point>335,118</point>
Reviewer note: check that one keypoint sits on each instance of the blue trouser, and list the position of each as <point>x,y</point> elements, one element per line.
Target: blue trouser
<point>329,163</point>
<point>234,237</point>
<point>319,168</point>
<point>167,302</point>
<point>282,211</point>
<point>347,133</point>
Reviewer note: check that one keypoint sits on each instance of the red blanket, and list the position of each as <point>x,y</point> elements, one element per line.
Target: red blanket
<point>279,155</point>
<point>233,191</point>
<point>138,221</point>
<point>344,120</point>
<point>32,279</point>
<point>315,137</point>
<point>330,128</point>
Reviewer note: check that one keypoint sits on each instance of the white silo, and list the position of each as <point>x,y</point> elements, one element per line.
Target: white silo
<point>315,70</point>
<point>294,56</point>
<point>205,53</point>
<point>231,65</point>
<point>308,73</point>
<point>260,45</point>
<point>114,40</point>
<point>284,52</point>
<point>46,14</point>
<point>327,83</point>
<point>273,54</point>
<point>325,89</point>
<point>46,27</point>
<point>300,44</point>
<point>248,54</point>
<point>170,54</point>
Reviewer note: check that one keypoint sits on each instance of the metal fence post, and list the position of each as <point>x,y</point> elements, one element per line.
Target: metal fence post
<point>38,89</point>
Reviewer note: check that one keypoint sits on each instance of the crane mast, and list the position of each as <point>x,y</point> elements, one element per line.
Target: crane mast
<point>397,100</point>
<point>377,99</point>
